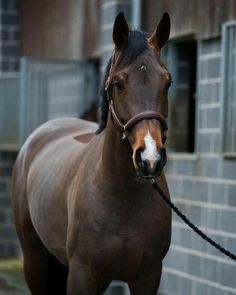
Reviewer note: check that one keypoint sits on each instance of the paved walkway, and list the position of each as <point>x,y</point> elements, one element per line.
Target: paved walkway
<point>12,279</point>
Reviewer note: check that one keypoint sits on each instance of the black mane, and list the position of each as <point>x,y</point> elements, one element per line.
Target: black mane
<point>137,43</point>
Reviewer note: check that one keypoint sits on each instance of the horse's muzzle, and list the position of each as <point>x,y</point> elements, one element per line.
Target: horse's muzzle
<point>149,168</point>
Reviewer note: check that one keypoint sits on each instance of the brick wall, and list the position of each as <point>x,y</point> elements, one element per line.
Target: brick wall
<point>203,185</point>
<point>9,63</point>
<point>9,36</point>
<point>8,242</point>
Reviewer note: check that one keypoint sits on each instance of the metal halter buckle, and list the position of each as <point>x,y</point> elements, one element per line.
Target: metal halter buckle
<point>107,83</point>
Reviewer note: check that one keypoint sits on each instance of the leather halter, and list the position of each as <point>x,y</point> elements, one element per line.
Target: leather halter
<point>135,119</point>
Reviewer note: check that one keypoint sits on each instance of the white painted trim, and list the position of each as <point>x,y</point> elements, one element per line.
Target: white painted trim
<point>108,47</point>
<point>209,155</point>
<point>208,130</point>
<point>182,156</point>
<point>108,26</point>
<point>136,14</point>
<point>113,3</point>
<point>205,106</point>
<point>210,81</point>
<point>210,55</point>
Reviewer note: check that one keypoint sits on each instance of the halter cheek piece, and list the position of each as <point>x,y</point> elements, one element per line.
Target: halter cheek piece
<point>124,128</point>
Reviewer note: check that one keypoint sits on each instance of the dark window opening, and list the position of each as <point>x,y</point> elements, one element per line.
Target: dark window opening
<point>181,62</point>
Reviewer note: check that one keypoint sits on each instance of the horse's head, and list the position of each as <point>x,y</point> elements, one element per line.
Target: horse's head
<point>137,93</point>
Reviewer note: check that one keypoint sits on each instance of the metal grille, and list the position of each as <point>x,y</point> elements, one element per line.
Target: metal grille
<point>51,89</point>
<point>229,88</point>
<point>9,112</point>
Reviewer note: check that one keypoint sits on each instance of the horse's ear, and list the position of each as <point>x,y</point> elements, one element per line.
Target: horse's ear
<point>162,33</point>
<point>120,31</point>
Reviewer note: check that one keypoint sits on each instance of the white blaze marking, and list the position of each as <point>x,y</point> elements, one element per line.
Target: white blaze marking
<point>150,153</point>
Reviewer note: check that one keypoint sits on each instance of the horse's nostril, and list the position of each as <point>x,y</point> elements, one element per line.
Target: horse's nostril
<point>138,157</point>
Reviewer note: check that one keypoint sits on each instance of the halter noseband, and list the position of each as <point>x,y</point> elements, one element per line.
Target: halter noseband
<point>134,120</point>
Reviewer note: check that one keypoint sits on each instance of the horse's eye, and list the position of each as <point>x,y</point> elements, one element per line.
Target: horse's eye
<point>119,85</point>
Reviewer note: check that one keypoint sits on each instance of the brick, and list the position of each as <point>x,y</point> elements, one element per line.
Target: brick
<point>204,143</point>
<point>2,249</point>
<point>194,263</point>
<point>5,202</point>
<point>10,50</point>
<point>210,271</point>
<point>227,275</point>
<point>107,37</point>
<point>202,118</point>
<point>3,186</point>
<point>215,143</point>
<point>210,46</point>
<point>214,68</point>
<point>2,217</point>
<point>10,19</point>
<point>12,249</point>
<point>213,118</point>
<point>228,169</point>
<point>5,66</point>
<point>228,221</point>
<point>218,193</point>
<point>182,167</point>
<point>185,286</point>
<point>186,237</point>
<point>205,93</point>
<point>232,195</point>
<point>8,156</point>
<point>5,35</point>
<point>6,171</point>
<point>7,232</point>
<point>216,92</point>
<point>203,70</point>
<point>230,244</point>
<point>169,284</point>
<point>16,35</point>
<point>213,217</point>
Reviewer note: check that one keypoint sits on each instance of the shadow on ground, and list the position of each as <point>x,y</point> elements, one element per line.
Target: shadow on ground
<point>11,278</point>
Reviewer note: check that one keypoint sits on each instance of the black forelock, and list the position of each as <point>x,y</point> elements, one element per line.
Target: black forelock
<point>137,43</point>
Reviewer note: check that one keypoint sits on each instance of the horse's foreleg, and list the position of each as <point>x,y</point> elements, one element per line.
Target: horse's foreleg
<point>148,281</point>
<point>36,259</point>
<point>79,281</point>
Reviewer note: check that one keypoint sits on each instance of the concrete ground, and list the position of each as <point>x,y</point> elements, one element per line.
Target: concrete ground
<point>11,278</point>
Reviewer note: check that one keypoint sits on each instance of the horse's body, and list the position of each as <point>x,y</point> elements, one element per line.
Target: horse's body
<point>82,216</point>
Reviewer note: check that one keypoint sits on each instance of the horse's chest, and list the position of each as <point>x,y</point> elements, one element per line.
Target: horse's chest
<point>120,254</point>
<point>118,257</point>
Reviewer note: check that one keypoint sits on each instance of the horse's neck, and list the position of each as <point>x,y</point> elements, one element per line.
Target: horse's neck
<point>116,154</point>
<point>117,167</point>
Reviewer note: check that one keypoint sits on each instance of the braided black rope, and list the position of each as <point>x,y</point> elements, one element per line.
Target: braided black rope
<point>190,224</point>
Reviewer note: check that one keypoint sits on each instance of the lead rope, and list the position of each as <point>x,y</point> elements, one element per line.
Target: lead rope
<point>189,223</point>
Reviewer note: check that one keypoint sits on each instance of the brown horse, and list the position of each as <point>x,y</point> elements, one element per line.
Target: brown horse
<point>84,212</point>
